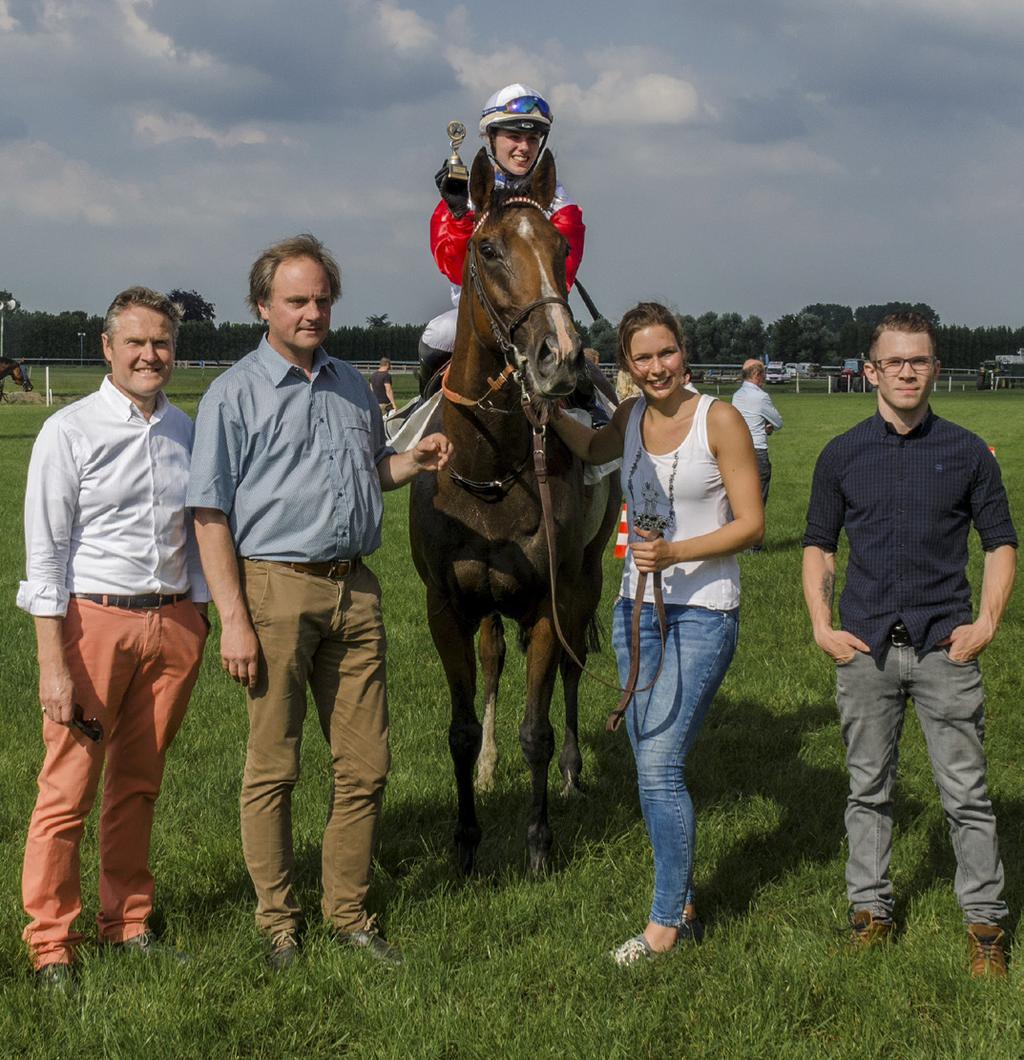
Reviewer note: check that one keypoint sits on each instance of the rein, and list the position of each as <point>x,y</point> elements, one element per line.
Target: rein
<point>540,469</point>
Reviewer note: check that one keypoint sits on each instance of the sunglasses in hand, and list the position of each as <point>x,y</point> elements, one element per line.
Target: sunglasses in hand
<point>90,727</point>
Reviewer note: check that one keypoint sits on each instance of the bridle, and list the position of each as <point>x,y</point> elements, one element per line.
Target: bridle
<point>503,330</point>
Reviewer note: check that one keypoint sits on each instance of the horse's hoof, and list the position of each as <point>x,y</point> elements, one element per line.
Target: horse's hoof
<point>538,864</point>
<point>573,789</point>
<point>484,784</point>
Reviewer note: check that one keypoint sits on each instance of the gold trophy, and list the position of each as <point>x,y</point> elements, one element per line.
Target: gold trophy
<point>456,167</point>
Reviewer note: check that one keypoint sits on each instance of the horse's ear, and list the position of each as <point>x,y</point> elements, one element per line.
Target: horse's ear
<point>481,181</point>
<point>543,181</point>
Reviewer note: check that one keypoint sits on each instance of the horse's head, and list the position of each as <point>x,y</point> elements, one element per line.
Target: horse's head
<point>15,371</point>
<point>515,271</point>
<point>21,377</point>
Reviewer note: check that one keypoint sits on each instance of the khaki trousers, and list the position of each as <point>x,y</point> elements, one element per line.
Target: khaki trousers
<point>134,671</point>
<point>327,635</point>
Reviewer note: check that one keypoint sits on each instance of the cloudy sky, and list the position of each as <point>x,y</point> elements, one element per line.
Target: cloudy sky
<point>735,155</point>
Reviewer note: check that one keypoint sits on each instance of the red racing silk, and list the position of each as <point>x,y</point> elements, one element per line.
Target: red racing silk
<point>449,238</point>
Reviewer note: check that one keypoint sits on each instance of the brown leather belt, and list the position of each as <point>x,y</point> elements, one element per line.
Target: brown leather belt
<point>141,602</point>
<point>332,568</point>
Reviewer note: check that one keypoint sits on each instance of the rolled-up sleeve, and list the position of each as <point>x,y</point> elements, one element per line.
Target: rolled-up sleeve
<point>51,503</point>
<point>826,508</point>
<point>990,509</point>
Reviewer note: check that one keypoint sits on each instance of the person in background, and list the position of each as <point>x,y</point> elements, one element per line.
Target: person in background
<point>690,482</point>
<point>287,479</point>
<point>119,602</point>
<point>763,419</point>
<point>380,384</point>
<point>906,486</point>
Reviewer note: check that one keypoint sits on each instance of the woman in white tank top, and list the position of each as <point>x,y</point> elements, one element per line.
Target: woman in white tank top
<point>690,479</point>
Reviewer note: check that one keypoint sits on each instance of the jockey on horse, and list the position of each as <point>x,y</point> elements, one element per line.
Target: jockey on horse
<point>515,124</point>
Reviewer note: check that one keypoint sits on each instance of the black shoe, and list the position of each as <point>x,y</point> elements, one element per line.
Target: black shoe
<point>370,941</point>
<point>146,945</point>
<point>59,978</point>
<point>284,949</point>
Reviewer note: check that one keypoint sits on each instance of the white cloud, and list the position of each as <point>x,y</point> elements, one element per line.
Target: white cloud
<point>404,29</point>
<point>618,98</point>
<point>43,184</point>
<point>158,129</point>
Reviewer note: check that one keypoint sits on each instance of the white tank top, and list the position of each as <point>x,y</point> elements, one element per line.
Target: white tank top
<point>681,492</point>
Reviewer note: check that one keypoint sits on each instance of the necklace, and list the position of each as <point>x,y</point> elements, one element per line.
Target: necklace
<point>648,519</point>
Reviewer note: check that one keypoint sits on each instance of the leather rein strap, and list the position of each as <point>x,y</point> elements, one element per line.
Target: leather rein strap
<point>616,716</point>
<point>540,469</point>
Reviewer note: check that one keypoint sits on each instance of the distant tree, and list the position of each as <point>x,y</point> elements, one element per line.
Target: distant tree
<point>784,338</point>
<point>194,306</point>
<point>873,315</point>
<point>604,338</point>
<point>379,320</point>
<point>835,317</point>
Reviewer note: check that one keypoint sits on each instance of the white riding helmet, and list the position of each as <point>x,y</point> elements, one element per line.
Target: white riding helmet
<point>517,108</point>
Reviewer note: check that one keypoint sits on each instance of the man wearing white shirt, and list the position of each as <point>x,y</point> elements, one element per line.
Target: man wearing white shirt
<point>762,417</point>
<point>118,598</point>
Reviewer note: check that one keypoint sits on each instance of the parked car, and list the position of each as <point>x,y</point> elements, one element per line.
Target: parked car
<point>775,372</point>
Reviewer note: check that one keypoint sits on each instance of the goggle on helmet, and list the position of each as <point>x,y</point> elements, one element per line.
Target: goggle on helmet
<point>518,109</point>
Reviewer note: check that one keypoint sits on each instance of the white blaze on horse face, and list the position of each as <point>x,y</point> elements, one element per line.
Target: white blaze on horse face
<point>558,317</point>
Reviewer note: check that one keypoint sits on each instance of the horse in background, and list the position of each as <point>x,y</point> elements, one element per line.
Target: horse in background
<point>477,531</point>
<point>15,371</point>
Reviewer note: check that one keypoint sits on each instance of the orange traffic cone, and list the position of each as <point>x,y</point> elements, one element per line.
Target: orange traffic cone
<point>623,536</point>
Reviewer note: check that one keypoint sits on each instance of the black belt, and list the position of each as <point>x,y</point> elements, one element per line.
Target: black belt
<point>331,568</point>
<point>142,602</point>
<point>899,637</point>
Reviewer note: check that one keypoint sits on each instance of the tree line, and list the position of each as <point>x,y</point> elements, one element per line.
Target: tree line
<point>823,333</point>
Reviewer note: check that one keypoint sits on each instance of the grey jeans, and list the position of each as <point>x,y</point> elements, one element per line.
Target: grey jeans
<point>950,704</point>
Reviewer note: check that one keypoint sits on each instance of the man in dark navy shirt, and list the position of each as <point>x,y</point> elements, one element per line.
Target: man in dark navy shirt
<point>906,486</point>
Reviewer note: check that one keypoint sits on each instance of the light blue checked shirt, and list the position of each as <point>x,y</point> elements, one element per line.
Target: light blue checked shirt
<point>291,461</point>
<point>757,408</point>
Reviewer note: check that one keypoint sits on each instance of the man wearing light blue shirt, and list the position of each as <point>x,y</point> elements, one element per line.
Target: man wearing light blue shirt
<point>286,479</point>
<point>762,417</point>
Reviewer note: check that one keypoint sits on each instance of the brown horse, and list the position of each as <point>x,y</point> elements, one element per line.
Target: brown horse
<point>13,370</point>
<point>477,530</point>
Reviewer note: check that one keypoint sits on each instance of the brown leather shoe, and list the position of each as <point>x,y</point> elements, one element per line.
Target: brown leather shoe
<point>866,930</point>
<point>987,957</point>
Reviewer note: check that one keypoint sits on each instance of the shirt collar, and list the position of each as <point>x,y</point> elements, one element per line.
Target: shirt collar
<point>280,368</point>
<point>125,408</point>
<point>884,427</point>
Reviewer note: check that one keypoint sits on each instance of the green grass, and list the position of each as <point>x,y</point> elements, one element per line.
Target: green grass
<point>504,965</point>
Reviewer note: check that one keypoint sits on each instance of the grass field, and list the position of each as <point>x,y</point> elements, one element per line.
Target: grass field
<point>504,965</point>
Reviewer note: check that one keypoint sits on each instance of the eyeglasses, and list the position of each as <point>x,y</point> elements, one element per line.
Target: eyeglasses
<point>522,105</point>
<point>894,365</point>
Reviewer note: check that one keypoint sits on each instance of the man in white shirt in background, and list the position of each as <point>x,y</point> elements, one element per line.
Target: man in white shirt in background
<point>119,602</point>
<point>762,417</point>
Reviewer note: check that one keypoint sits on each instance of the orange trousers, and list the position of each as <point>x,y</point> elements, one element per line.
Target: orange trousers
<point>134,671</point>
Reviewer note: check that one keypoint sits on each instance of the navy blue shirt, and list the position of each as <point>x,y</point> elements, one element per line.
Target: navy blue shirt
<point>907,503</point>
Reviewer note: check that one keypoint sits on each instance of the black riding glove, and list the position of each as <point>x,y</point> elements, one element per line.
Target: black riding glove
<point>454,192</point>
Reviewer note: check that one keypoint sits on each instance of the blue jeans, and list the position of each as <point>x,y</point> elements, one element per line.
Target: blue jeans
<point>950,704</point>
<point>663,723</point>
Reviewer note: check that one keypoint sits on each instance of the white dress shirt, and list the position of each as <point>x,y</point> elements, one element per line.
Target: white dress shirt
<point>105,504</point>
<point>758,409</point>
